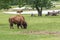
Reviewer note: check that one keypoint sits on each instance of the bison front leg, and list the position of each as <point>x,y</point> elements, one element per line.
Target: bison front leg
<point>11,26</point>
<point>21,26</point>
<point>18,26</point>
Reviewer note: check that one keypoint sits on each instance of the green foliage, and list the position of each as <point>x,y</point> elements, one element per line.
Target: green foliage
<point>55,0</point>
<point>39,3</point>
<point>7,3</point>
<point>4,4</point>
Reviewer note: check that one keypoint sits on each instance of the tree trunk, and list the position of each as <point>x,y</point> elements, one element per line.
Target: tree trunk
<point>39,10</point>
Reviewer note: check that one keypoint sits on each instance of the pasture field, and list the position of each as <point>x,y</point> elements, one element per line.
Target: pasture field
<point>39,28</point>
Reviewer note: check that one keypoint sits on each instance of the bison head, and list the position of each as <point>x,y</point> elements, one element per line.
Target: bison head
<point>24,25</point>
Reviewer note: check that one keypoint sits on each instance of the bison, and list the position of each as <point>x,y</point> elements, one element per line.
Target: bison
<point>52,13</point>
<point>19,20</point>
<point>19,11</point>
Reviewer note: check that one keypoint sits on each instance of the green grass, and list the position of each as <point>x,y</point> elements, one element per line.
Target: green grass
<point>44,23</point>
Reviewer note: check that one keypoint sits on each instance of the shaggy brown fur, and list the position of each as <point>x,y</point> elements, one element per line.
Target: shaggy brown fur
<point>19,20</point>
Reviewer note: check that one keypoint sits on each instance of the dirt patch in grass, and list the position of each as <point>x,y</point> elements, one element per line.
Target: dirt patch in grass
<point>41,32</point>
<point>37,32</point>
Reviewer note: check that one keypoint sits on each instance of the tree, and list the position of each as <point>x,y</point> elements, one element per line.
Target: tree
<point>38,4</point>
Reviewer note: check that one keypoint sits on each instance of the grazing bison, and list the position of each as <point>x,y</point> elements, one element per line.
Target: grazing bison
<point>52,13</point>
<point>19,20</point>
<point>19,11</point>
<point>33,15</point>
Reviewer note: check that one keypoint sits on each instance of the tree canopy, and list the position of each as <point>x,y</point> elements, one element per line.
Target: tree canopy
<point>38,4</point>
